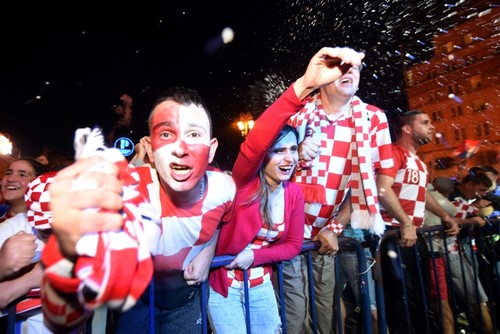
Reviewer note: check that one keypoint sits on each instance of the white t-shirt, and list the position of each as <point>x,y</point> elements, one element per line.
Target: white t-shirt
<point>15,224</point>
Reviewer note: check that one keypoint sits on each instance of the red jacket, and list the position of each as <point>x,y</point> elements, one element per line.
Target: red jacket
<point>246,220</point>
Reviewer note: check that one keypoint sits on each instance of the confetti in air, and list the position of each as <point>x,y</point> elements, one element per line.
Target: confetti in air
<point>394,35</point>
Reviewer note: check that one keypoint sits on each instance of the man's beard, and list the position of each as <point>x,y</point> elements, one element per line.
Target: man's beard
<point>421,140</point>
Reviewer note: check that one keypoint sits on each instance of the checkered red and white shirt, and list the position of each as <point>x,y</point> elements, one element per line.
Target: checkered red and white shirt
<point>330,172</point>
<point>186,231</point>
<point>410,181</point>
<point>464,209</point>
<point>259,274</point>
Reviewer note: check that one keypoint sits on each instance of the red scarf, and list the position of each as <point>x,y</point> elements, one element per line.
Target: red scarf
<point>113,268</point>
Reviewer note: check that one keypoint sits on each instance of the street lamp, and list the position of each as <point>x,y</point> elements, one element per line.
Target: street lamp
<point>245,123</point>
<point>5,144</point>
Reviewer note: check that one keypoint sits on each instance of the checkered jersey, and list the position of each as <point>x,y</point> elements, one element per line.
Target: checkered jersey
<point>186,231</point>
<point>410,181</point>
<point>260,274</point>
<point>37,199</point>
<point>330,172</point>
<point>464,207</point>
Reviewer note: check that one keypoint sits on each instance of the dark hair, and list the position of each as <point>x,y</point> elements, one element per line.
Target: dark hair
<point>38,167</point>
<point>285,130</point>
<point>477,178</point>
<point>264,192</point>
<point>480,169</point>
<point>183,96</point>
<point>57,160</point>
<point>405,118</point>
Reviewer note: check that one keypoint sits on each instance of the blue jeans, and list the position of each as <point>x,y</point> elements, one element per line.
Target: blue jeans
<point>349,274</point>
<point>227,315</point>
<point>183,319</point>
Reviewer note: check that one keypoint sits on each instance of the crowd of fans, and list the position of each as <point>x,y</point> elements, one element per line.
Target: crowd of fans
<point>319,164</point>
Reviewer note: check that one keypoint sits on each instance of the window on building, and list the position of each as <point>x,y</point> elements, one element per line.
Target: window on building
<point>456,111</point>
<point>475,81</point>
<point>479,130</point>
<point>454,89</point>
<point>459,134</point>
<point>409,78</point>
<point>437,116</point>
<point>486,129</point>
<point>482,129</point>
<point>471,59</point>
<point>467,39</point>
<point>479,105</point>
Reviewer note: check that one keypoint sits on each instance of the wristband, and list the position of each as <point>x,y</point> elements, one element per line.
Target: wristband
<point>336,227</point>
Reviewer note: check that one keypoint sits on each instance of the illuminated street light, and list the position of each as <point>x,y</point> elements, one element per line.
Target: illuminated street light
<point>245,123</point>
<point>5,144</point>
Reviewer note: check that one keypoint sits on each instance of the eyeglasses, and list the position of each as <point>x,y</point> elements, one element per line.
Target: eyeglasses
<point>359,68</point>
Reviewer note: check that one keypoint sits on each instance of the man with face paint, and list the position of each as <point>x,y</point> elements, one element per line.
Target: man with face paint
<point>191,197</point>
<point>186,192</point>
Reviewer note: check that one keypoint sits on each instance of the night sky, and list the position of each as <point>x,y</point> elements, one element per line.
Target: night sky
<point>80,57</point>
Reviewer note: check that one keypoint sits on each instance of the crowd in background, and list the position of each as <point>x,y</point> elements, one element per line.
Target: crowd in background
<point>319,164</point>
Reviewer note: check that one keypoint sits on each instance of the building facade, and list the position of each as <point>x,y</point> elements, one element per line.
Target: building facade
<point>459,89</point>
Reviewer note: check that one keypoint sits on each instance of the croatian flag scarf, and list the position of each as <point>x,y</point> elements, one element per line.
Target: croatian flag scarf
<point>365,207</point>
<point>114,267</point>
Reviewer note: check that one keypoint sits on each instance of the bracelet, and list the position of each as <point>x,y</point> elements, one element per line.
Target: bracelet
<point>302,164</point>
<point>336,227</point>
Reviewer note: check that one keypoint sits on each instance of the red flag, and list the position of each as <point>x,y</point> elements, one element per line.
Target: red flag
<point>467,149</point>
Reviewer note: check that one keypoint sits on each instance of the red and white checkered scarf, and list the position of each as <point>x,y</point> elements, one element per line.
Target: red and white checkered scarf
<point>365,208</point>
<point>113,268</point>
<point>366,212</point>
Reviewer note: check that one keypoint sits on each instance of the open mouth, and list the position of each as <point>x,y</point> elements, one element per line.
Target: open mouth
<point>180,169</point>
<point>12,188</point>
<point>286,169</point>
<point>346,81</point>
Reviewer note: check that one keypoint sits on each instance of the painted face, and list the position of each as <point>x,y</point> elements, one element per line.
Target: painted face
<point>181,145</point>
<point>281,160</point>
<point>423,130</point>
<point>16,179</point>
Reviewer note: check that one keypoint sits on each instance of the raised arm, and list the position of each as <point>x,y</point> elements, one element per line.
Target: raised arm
<point>320,71</point>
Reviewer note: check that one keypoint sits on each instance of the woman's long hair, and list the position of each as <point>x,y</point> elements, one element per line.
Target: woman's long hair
<point>264,192</point>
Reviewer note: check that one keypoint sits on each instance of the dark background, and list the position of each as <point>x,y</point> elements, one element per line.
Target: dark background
<point>81,56</point>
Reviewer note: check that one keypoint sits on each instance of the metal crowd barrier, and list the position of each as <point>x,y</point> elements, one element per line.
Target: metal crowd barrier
<point>485,258</point>
<point>485,262</point>
<point>307,248</point>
